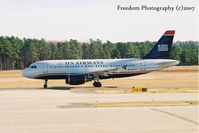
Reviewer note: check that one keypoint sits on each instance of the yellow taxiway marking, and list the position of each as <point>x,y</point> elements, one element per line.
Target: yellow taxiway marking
<point>129,104</point>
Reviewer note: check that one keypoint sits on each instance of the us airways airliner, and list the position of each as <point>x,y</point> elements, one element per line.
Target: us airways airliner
<point>76,72</point>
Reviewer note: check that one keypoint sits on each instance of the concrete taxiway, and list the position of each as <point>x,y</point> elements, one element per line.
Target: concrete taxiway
<point>36,111</point>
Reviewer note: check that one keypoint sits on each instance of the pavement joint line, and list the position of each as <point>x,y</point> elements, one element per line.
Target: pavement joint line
<point>174,115</point>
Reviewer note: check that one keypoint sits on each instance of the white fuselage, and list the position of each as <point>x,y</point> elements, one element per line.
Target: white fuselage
<point>76,72</point>
<point>58,69</point>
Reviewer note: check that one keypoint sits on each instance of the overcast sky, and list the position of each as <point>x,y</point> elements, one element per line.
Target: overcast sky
<point>84,19</point>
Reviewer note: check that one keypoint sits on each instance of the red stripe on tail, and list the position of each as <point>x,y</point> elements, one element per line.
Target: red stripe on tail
<point>169,32</point>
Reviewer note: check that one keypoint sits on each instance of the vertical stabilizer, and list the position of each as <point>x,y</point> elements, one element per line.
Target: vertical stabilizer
<point>162,48</point>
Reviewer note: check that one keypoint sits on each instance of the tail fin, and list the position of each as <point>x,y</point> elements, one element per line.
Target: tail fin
<point>162,48</point>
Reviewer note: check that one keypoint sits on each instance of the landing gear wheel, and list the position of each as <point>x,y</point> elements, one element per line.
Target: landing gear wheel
<point>97,84</point>
<point>45,85</point>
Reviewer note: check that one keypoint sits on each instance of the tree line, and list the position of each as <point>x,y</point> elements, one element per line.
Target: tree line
<point>16,53</point>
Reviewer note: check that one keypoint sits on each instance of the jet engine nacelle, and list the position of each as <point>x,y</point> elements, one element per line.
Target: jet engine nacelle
<point>76,79</point>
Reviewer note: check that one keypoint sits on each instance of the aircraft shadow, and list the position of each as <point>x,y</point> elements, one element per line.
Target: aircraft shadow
<point>70,88</point>
<point>58,88</point>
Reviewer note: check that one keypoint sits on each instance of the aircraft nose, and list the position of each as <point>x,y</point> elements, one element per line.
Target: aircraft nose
<point>25,73</point>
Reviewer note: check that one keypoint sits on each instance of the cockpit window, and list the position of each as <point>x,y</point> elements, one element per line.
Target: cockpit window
<point>33,66</point>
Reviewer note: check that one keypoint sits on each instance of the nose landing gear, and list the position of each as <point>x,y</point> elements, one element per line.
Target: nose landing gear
<point>45,85</point>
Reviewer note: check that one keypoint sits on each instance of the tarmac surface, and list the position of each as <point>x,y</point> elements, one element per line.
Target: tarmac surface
<point>36,111</point>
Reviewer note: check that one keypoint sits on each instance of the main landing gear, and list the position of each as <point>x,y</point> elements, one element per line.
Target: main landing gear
<point>97,84</point>
<point>45,85</point>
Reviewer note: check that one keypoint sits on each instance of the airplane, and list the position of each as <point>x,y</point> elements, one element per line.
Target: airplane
<point>76,72</point>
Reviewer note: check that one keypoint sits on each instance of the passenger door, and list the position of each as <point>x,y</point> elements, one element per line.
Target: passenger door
<point>143,66</point>
<point>45,67</point>
<point>139,66</point>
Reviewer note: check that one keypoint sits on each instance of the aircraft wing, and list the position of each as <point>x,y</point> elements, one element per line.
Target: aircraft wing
<point>104,72</point>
